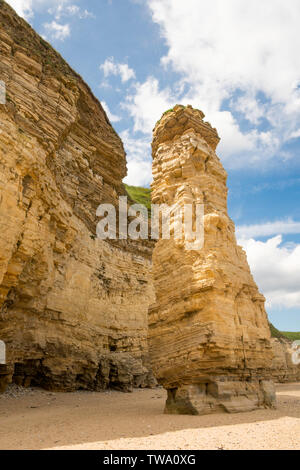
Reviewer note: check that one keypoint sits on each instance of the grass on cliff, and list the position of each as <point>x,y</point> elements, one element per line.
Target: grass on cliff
<point>139,195</point>
<point>276,333</point>
<point>291,335</point>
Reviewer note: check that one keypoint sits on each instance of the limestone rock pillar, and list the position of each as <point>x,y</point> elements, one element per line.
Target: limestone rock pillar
<point>208,330</point>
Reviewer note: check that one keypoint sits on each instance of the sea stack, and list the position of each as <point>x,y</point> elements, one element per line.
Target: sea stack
<point>209,335</point>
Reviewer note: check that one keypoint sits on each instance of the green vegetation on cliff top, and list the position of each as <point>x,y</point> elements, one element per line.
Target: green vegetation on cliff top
<point>139,195</point>
<point>276,333</point>
<point>291,335</point>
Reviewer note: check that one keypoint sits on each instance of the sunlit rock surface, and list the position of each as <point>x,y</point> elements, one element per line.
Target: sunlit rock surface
<point>208,330</point>
<point>73,309</point>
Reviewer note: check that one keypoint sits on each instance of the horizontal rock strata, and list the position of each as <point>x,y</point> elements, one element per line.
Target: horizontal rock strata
<point>73,309</point>
<point>208,330</point>
<point>283,367</point>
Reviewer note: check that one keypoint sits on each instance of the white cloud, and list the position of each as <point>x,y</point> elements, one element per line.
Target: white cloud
<point>147,104</point>
<point>112,117</point>
<point>110,67</point>
<point>269,228</point>
<point>57,31</point>
<point>62,10</point>
<point>276,269</point>
<point>233,45</point>
<point>126,72</point>
<point>295,134</point>
<point>26,8</point>
<point>22,7</point>
<point>56,8</point>
<point>139,162</point>
<point>249,106</point>
<point>233,51</point>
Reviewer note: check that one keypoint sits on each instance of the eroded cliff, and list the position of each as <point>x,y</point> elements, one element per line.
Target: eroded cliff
<point>73,309</point>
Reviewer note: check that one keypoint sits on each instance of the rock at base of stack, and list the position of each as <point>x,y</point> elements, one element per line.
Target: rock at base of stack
<point>208,330</point>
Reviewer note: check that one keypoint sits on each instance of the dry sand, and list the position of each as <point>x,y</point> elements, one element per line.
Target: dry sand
<point>35,419</point>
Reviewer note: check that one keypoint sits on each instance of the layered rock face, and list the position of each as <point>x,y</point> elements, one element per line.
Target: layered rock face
<point>208,330</point>
<point>283,368</point>
<point>73,309</point>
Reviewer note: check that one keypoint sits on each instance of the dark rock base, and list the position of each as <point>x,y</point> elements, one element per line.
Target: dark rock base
<point>216,397</point>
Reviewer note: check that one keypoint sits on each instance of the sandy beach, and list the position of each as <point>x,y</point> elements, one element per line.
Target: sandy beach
<point>37,419</point>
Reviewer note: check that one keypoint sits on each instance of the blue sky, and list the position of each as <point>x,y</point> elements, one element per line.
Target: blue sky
<point>239,62</point>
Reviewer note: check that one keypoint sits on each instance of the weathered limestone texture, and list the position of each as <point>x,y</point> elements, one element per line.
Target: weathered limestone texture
<point>209,336</point>
<point>73,309</point>
<point>283,368</point>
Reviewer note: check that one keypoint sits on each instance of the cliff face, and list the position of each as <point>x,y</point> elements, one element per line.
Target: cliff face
<point>283,368</point>
<point>208,330</point>
<point>73,309</point>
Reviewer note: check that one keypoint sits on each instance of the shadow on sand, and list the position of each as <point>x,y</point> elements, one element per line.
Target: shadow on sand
<point>52,420</point>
